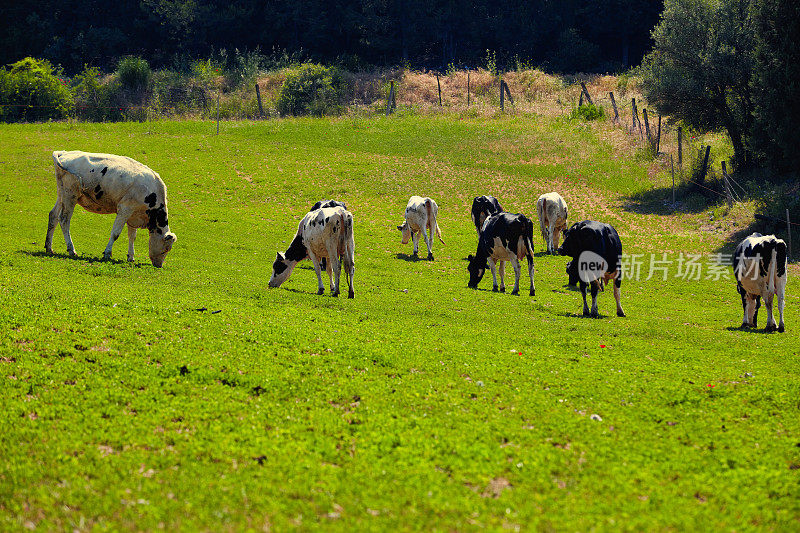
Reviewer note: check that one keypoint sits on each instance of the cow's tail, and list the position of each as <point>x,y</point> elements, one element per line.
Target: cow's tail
<point>348,245</point>
<point>541,207</point>
<point>773,265</point>
<point>528,232</point>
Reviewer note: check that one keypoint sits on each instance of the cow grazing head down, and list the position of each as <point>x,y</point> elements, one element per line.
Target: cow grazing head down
<point>160,245</point>
<point>281,270</point>
<point>476,271</point>
<point>405,229</point>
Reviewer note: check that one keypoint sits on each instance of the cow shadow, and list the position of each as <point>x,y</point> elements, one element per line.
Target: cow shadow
<point>80,257</point>
<point>567,314</point>
<point>410,258</point>
<point>756,331</point>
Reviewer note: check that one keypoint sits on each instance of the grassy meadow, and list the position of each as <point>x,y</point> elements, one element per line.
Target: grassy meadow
<point>420,404</point>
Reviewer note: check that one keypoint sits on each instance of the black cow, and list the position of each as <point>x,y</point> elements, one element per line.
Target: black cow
<point>482,208</point>
<point>505,237</point>
<point>328,203</point>
<point>759,265</point>
<point>596,250</point>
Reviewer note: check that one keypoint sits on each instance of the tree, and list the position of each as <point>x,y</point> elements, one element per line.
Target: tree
<point>776,83</point>
<point>701,66</point>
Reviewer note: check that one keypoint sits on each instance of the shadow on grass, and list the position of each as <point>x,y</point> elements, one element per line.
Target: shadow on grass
<point>410,258</point>
<point>581,315</point>
<point>688,199</point>
<point>79,257</point>
<point>756,331</point>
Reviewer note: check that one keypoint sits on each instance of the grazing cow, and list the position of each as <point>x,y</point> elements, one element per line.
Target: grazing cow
<point>328,203</point>
<point>482,208</point>
<point>323,233</point>
<point>759,265</point>
<point>552,211</point>
<point>420,215</point>
<point>595,249</point>
<point>504,237</point>
<point>105,183</point>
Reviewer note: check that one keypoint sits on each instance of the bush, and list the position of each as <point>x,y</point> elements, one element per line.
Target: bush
<point>30,90</point>
<point>773,201</point>
<point>134,73</point>
<point>588,112</point>
<point>310,89</point>
<point>93,99</point>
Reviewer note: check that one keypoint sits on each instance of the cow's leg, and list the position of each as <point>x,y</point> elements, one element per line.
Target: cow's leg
<point>415,240</point>
<point>501,269</point>
<point>617,286</point>
<point>583,293</point>
<point>751,311</point>
<point>329,271</point>
<point>116,230</point>
<point>131,239</point>
<point>743,294</point>
<point>781,293</point>
<point>336,264</point>
<point>595,290</point>
<point>556,235</point>
<point>52,222</point>
<point>349,268</point>
<point>67,209</point>
<point>428,241</point>
<point>551,241</point>
<point>493,267</point>
<point>755,310</point>
<point>531,270</point>
<point>517,269</point>
<point>770,319</point>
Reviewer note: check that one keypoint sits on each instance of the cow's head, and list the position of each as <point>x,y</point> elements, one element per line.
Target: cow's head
<point>281,270</point>
<point>476,269</point>
<point>405,229</point>
<point>160,245</point>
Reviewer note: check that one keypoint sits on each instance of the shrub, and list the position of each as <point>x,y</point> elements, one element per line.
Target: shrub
<point>134,73</point>
<point>30,90</point>
<point>588,112</point>
<point>93,99</point>
<point>773,201</point>
<point>310,89</point>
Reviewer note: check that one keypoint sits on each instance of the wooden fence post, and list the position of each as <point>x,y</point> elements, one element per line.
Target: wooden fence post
<point>439,86</point>
<point>672,167</point>
<point>658,137</point>
<point>258,95</point>
<point>580,100</point>
<point>390,100</point>
<point>501,96</point>
<point>614,104</point>
<point>633,114</point>
<point>789,230</point>
<point>680,148</point>
<point>705,165</point>
<point>588,98</point>
<point>647,128</point>
<point>508,93</point>
<point>217,112</point>
<point>467,87</point>
<point>636,119</point>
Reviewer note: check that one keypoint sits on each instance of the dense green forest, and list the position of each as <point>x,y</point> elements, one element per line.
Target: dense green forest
<point>565,35</point>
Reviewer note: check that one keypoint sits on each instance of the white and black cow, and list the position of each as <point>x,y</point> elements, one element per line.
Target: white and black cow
<point>421,215</point>
<point>482,208</point>
<point>323,233</point>
<point>595,249</point>
<point>552,211</point>
<point>504,237</point>
<point>328,203</point>
<point>759,265</point>
<point>105,183</point>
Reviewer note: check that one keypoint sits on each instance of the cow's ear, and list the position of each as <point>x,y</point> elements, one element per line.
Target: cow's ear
<point>470,257</point>
<point>400,228</point>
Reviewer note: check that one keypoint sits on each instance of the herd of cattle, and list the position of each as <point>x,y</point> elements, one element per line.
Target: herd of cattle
<point>105,183</point>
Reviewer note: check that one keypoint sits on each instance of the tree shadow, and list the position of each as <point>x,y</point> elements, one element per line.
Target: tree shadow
<point>79,257</point>
<point>689,198</point>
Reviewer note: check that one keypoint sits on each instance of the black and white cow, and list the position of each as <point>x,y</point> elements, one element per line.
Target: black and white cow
<point>482,208</point>
<point>323,233</point>
<point>595,249</point>
<point>759,265</point>
<point>503,237</point>
<point>328,203</point>
<point>105,184</point>
<point>420,215</point>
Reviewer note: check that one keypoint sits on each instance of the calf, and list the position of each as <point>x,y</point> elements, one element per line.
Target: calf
<point>421,215</point>
<point>482,208</point>
<point>504,237</point>
<point>595,249</point>
<point>325,233</point>
<point>105,183</point>
<point>552,211</point>
<point>759,265</point>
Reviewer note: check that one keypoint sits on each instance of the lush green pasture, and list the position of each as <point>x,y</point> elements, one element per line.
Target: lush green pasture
<point>421,404</point>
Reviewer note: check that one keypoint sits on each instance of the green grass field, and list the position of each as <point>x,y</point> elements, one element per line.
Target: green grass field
<point>421,404</point>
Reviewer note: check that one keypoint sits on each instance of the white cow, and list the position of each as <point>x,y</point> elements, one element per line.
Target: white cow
<point>552,211</point>
<point>325,233</point>
<point>105,183</point>
<point>420,215</point>
<point>759,265</point>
